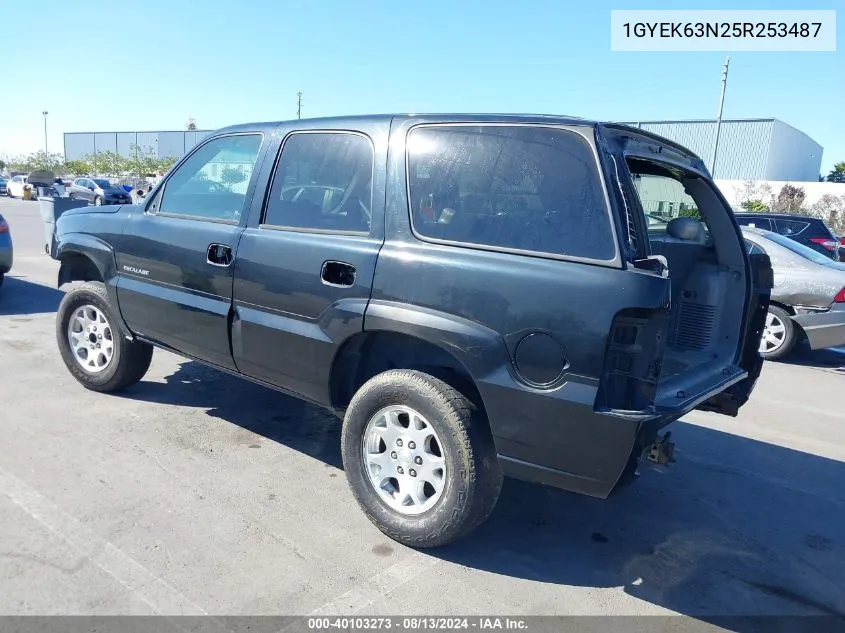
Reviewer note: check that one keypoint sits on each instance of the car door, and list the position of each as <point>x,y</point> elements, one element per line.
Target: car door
<point>176,255</point>
<point>84,189</point>
<point>306,260</point>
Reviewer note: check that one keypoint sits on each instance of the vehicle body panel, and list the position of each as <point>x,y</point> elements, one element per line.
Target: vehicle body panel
<point>808,288</point>
<point>280,300</point>
<point>534,333</point>
<point>804,229</point>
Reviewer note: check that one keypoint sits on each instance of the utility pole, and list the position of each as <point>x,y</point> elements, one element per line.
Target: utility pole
<point>299,105</point>
<point>46,155</point>
<point>719,116</point>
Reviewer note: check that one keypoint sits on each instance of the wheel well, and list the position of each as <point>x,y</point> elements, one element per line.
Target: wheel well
<point>76,267</point>
<point>372,353</point>
<point>786,308</point>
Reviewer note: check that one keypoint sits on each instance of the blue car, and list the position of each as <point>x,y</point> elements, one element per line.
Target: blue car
<point>5,249</point>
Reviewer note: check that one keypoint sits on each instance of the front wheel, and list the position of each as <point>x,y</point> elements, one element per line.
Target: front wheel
<point>98,201</point>
<point>419,458</point>
<point>779,335</point>
<point>92,342</point>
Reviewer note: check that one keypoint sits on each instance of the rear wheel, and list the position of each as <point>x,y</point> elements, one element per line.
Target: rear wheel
<point>93,344</point>
<point>779,335</point>
<point>419,458</point>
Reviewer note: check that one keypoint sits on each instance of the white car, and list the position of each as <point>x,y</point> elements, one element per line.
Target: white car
<point>16,185</point>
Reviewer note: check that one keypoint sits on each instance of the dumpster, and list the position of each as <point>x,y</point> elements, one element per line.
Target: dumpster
<point>51,210</point>
<point>42,183</point>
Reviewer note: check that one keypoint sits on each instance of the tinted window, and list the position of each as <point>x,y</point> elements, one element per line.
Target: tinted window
<point>212,182</point>
<point>323,181</point>
<point>760,223</point>
<point>753,249</point>
<point>102,184</point>
<point>517,187</point>
<point>790,227</point>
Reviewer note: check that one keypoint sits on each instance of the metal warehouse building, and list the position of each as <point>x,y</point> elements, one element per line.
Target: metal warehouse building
<point>749,149</point>
<point>164,144</point>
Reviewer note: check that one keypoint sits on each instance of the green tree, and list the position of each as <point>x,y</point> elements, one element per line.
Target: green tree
<point>2,165</point>
<point>232,176</point>
<point>790,199</point>
<point>78,167</point>
<point>831,209</point>
<point>837,174</point>
<point>756,206</point>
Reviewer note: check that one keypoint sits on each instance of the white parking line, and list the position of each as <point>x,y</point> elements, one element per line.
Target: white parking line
<point>161,597</point>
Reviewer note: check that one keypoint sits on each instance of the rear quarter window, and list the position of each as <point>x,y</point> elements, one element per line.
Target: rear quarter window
<point>790,227</point>
<point>760,223</point>
<point>524,188</point>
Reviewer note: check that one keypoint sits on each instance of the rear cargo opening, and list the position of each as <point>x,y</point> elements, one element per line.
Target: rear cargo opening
<point>691,228</point>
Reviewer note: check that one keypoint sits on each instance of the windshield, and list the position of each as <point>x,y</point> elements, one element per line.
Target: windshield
<point>804,251</point>
<point>102,184</point>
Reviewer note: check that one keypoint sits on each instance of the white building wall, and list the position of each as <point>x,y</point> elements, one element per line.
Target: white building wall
<point>792,155</point>
<point>749,149</point>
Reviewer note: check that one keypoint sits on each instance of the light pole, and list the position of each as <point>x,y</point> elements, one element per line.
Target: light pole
<point>719,116</point>
<point>46,155</point>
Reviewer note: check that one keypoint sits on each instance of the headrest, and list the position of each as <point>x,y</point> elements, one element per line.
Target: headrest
<point>687,229</point>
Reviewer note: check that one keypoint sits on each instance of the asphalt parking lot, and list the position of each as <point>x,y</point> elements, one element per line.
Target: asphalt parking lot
<point>198,493</point>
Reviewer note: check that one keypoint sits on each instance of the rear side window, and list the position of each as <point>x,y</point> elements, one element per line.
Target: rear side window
<point>790,227</point>
<point>323,182</point>
<point>513,187</point>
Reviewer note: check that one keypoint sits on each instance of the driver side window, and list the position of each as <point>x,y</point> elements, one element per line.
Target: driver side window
<point>323,181</point>
<point>212,183</point>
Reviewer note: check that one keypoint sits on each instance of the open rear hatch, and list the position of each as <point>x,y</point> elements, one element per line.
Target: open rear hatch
<point>700,348</point>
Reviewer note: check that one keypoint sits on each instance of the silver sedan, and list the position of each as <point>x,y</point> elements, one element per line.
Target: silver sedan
<point>808,298</point>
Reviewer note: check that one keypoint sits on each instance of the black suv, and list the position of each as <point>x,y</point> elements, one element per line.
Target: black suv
<point>473,295</point>
<point>804,229</point>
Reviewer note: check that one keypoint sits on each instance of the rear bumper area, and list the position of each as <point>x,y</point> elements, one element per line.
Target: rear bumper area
<point>557,438</point>
<point>824,329</point>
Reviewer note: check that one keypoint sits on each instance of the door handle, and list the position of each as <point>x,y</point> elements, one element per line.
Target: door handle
<point>219,255</point>
<point>339,274</point>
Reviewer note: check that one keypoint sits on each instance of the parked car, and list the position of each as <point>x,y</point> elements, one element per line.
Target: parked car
<point>808,298</point>
<point>3,190</point>
<point>17,185</point>
<point>59,189</point>
<point>473,295</point>
<point>6,250</point>
<point>98,191</point>
<point>804,229</point>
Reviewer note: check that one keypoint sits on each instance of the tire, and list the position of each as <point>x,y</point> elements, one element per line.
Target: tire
<point>129,360</point>
<point>70,196</point>
<point>471,476</point>
<point>98,201</point>
<point>780,334</point>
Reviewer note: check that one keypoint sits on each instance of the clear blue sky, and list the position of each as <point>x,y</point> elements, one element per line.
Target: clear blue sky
<point>150,65</point>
